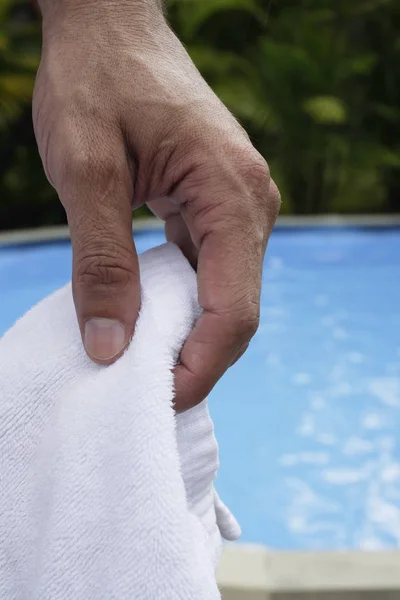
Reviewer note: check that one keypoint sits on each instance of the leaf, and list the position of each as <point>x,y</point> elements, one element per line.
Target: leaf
<point>361,65</point>
<point>326,109</point>
<point>216,62</point>
<point>3,42</point>
<point>390,159</point>
<point>18,86</point>
<point>386,112</point>
<point>368,6</point>
<point>5,6</point>
<point>242,100</point>
<point>196,12</point>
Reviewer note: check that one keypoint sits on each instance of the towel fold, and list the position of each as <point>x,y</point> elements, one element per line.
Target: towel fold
<point>104,492</point>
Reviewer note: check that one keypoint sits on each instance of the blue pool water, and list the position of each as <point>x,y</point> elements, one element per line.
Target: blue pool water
<point>309,420</point>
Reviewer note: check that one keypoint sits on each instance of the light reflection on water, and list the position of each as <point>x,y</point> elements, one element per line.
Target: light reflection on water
<point>317,412</point>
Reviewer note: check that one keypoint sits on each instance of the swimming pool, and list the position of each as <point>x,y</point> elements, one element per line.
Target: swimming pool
<point>309,420</point>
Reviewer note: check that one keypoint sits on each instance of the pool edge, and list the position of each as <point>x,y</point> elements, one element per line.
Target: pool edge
<point>61,232</point>
<point>249,572</point>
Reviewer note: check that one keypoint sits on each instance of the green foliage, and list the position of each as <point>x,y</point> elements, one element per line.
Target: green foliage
<point>312,84</point>
<point>26,199</point>
<point>325,110</point>
<point>19,59</point>
<point>315,82</point>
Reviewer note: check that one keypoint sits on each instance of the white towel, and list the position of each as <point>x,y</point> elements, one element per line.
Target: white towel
<point>104,492</point>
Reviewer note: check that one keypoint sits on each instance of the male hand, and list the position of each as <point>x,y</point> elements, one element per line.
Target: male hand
<point>122,118</point>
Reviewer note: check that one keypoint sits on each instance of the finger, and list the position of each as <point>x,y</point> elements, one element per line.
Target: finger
<point>97,195</point>
<point>230,317</point>
<point>234,233</point>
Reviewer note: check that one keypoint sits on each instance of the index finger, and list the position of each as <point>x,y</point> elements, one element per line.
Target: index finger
<point>229,284</point>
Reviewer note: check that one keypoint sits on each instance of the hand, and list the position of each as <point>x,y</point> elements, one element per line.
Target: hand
<point>122,118</point>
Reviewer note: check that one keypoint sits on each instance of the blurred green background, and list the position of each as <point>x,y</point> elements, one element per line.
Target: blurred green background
<point>315,82</point>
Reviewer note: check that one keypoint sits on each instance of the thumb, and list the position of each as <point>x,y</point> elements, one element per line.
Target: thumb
<point>105,276</point>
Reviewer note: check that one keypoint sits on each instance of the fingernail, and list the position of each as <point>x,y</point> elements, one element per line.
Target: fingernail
<point>104,338</point>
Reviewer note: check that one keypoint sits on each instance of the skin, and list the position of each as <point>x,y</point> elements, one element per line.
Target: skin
<point>122,118</point>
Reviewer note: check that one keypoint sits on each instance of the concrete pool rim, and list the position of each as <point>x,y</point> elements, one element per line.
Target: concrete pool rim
<point>60,233</point>
<point>256,573</point>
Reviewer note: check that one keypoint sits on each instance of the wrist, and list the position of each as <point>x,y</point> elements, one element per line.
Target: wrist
<point>135,12</point>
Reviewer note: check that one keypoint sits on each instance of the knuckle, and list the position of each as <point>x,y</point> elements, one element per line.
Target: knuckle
<point>244,319</point>
<point>79,164</point>
<point>249,322</point>
<point>104,272</point>
<point>264,194</point>
<point>254,172</point>
<point>93,175</point>
<point>274,199</point>
<point>254,169</point>
<point>83,165</point>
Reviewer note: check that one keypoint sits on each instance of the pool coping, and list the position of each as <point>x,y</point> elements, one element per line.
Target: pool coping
<point>61,232</point>
<point>248,572</point>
